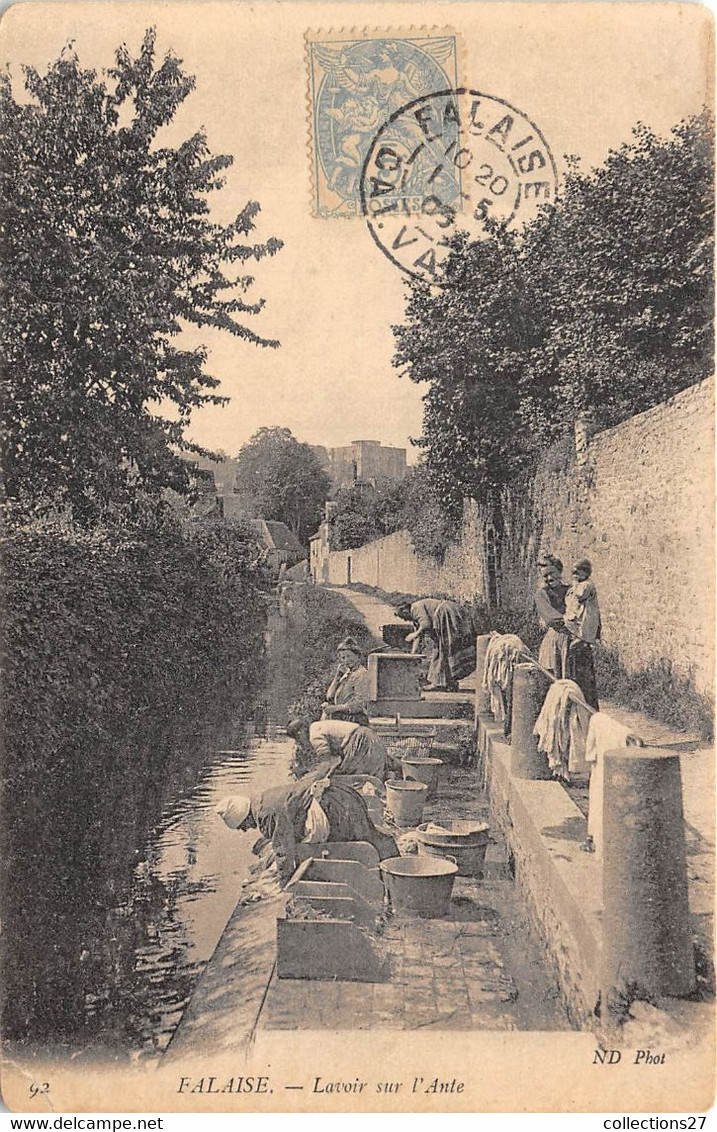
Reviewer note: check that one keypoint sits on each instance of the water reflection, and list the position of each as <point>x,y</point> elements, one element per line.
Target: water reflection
<point>186,888</point>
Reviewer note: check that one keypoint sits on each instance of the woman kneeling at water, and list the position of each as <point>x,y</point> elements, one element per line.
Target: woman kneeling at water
<point>313,809</point>
<point>358,749</point>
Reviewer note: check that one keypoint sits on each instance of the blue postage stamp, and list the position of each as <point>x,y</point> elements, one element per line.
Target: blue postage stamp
<point>355,85</point>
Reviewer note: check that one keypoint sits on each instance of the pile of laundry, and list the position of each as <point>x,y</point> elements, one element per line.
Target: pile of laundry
<point>562,729</point>
<point>503,653</point>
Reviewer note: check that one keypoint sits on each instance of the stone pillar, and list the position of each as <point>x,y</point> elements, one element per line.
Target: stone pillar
<point>482,697</point>
<point>647,937</point>
<point>529,688</point>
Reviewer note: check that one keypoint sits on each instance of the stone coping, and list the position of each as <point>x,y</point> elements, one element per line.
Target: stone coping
<point>561,883</point>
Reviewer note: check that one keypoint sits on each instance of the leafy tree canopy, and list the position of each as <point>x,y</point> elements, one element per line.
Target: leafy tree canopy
<point>109,252</point>
<point>607,312</point>
<point>282,479</point>
<point>368,511</point>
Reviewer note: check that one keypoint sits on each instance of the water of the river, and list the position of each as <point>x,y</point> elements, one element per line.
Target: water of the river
<point>199,864</point>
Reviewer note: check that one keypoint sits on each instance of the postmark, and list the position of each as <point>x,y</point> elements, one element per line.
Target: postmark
<point>455,158</point>
<point>357,81</point>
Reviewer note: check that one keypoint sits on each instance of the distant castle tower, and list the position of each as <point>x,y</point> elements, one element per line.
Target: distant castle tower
<point>365,460</point>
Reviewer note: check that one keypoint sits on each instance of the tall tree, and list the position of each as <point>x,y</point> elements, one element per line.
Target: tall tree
<point>282,479</point>
<point>608,311</point>
<point>109,250</point>
<point>627,275</point>
<point>470,343</point>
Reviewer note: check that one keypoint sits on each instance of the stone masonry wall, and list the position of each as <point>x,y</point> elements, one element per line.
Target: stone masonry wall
<point>638,502</point>
<point>641,508</point>
<point>392,564</point>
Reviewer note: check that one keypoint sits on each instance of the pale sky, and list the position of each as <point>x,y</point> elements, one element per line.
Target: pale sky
<point>584,73</point>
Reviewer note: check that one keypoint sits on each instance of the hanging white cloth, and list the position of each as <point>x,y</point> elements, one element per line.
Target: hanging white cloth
<point>317,828</point>
<point>561,729</point>
<point>604,734</point>
<point>502,654</point>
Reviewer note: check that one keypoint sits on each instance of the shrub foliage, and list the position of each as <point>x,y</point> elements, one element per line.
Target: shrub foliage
<point>117,648</point>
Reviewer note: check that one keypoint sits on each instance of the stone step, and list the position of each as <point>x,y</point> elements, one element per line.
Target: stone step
<point>433,705</point>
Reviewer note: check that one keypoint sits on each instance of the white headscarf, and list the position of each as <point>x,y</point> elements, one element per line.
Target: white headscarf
<point>234,809</point>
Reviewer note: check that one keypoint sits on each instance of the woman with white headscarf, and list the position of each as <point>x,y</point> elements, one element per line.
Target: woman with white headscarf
<point>288,815</point>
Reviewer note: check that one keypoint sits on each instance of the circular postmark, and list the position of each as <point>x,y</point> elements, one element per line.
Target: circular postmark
<point>453,159</point>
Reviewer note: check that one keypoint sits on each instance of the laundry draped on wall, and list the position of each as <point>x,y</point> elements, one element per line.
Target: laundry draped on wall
<point>604,734</point>
<point>503,653</point>
<point>561,729</point>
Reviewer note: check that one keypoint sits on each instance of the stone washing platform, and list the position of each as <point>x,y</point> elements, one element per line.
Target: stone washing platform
<point>484,966</point>
<point>479,968</point>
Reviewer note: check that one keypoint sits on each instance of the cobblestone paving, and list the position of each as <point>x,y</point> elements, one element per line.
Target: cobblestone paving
<point>479,968</point>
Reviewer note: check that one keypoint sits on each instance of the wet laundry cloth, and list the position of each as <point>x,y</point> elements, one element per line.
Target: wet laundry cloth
<point>407,843</point>
<point>604,734</point>
<point>503,653</point>
<point>561,729</point>
<point>317,828</point>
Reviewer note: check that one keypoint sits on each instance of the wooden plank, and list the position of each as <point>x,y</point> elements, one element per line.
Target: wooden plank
<point>359,851</point>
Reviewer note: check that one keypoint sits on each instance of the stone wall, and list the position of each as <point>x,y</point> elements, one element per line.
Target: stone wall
<point>637,500</point>
<point>640,506</point>
<point>392,564</point>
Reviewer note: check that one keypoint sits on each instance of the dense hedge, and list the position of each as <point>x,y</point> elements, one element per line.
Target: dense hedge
<point>105,628</point>
<point>119,648</point>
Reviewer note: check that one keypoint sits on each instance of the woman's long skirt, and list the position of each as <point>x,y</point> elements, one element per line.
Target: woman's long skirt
<point>364,753</point>
<point>579,665</point>
<point>349,820</point>
<point>456,641</point>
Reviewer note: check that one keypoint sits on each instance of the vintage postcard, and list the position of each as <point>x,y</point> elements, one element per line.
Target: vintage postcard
<point>358,574</point>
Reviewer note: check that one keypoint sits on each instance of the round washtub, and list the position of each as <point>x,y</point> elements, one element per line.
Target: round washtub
<point>405,802</point>
<point>420,886</point>
<point>460,841</point>
<point>422,770</point>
